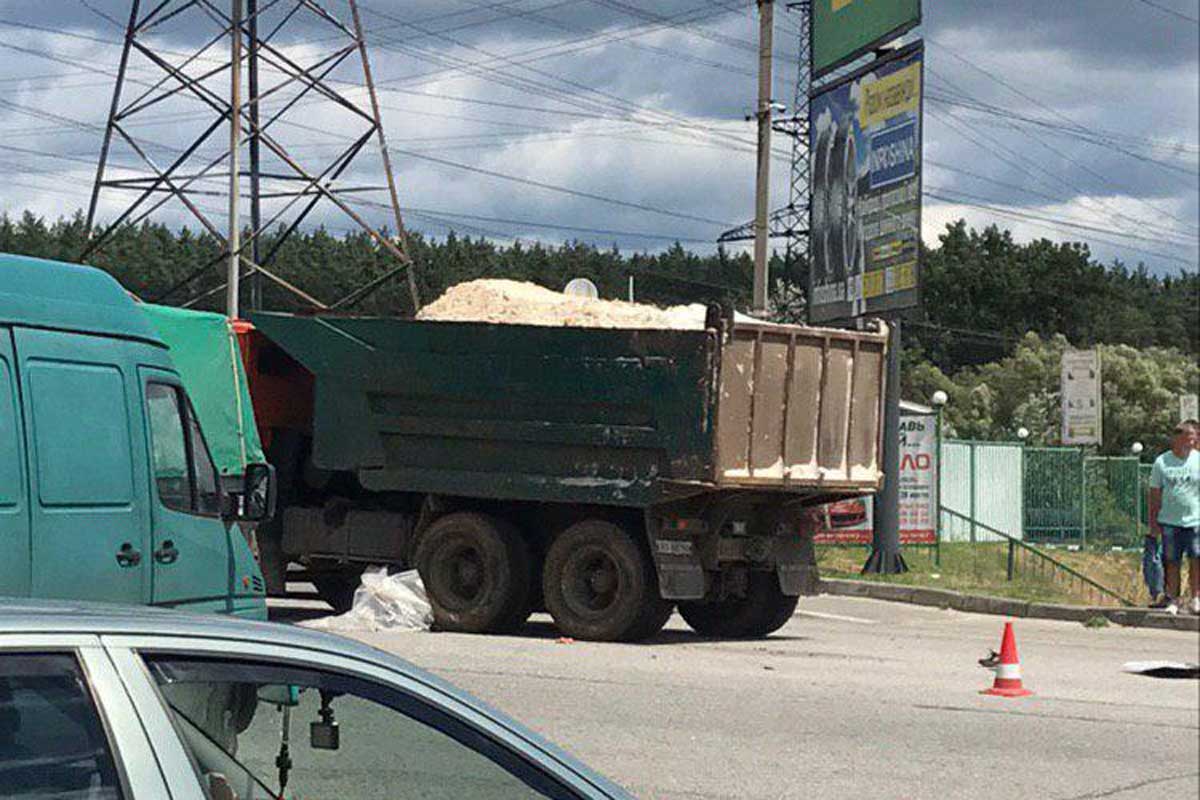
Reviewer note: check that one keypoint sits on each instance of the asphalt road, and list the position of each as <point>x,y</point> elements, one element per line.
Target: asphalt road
<point>853,698</point>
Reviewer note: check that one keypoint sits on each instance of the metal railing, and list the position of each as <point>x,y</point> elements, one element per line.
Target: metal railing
<point>1041,563</point>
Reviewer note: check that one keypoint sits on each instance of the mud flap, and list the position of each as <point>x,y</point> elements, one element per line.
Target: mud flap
<point>680,573</point>
<point>796,565</point>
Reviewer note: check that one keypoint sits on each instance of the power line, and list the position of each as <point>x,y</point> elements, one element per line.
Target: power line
<point>1170,11</point>
<point>1047,108</point>
<point>1001,153</point>
<point>1105,140</point>
<point>560,189</point>
<point>1019,161</point>
<point>1051,223</point>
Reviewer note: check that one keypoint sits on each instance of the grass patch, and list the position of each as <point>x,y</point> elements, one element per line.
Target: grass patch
<point>982,568</point>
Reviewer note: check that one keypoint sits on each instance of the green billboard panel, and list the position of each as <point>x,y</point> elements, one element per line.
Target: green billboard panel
<point>865,214</point>
<point>842,30</point>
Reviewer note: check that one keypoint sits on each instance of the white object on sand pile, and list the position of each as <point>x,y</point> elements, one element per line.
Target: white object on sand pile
<point>383,602</point>
<point>517,303</point>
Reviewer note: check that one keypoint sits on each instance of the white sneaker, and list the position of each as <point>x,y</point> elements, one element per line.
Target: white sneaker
<point>1172,609</point>
<point>1194,606</point>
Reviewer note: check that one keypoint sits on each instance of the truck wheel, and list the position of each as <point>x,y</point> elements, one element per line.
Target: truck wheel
<point>764,610</point>
<point>477,573</point>
<point>654,617</point>
<point>600,585</point>
<point>337,588</point>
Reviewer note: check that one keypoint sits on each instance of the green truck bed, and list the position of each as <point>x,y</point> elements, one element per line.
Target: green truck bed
<point>607,416</point>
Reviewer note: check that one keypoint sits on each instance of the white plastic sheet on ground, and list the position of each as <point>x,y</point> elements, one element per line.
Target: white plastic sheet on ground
<point>383,602</point>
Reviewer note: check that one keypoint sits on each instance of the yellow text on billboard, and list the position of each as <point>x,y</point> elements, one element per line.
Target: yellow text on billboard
<point>889,96</point>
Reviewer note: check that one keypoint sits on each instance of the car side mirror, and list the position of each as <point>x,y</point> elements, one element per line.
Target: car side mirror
<point>260,493</point>
<point>257,500</point>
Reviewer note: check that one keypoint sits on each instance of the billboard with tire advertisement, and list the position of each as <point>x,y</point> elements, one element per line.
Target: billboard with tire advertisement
<point>865,224</point>
<point>850,521</point>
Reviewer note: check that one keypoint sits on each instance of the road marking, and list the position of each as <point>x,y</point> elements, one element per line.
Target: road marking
<point>836,617</point>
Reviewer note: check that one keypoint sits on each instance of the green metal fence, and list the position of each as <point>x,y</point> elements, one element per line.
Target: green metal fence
<point>1071,497</point>
<point>1113,501</point>
<point>1053,500</point>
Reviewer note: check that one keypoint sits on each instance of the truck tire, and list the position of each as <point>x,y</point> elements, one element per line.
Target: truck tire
<point>477,573</point>
<point>338,588</point>
<point>599,584</point>
<point>764,610</point>
<point>654,617</point>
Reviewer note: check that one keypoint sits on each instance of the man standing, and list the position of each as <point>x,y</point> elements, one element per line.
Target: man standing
<point>1175,513</point>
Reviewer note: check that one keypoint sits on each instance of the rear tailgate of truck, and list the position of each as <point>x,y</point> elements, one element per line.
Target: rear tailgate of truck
<point>800,407</point>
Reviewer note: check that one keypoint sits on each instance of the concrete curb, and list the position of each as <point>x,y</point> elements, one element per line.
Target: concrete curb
<point>1004,606</point>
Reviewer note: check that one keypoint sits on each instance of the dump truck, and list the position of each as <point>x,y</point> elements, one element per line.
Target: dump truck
<point>606,476</point>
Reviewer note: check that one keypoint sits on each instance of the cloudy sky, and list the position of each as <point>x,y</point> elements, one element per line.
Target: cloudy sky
<point>623,121</point>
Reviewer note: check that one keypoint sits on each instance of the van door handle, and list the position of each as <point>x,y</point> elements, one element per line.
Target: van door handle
<point>128,557</point>
<point>167,554</point>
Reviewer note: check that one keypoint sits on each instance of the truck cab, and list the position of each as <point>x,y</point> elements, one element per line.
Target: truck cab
<point>108,491</point>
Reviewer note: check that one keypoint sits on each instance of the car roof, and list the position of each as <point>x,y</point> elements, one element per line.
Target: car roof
<point>25,616</point>
<point>38,293</point>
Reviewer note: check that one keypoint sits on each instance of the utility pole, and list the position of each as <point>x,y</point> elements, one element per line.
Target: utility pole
<point>790,222</point>
<point>233,284</point>
<point>255,154</point>
<point>762,201</point>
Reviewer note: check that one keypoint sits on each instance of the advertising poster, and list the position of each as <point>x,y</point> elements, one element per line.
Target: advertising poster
<point>843,30</point>
<point>850,521</point>
<point>865,224</point>
<point>1082,413</point>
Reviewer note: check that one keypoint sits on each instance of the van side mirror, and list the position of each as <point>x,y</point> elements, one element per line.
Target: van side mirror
<point>257,501</point>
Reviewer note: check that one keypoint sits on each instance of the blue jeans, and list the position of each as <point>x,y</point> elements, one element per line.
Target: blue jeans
<point>1152,566</point>
<point>1179,543</point>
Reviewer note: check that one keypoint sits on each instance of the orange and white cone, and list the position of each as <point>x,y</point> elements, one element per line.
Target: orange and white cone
<point>1008,671</point>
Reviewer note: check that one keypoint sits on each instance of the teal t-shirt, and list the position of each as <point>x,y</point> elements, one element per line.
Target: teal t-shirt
<point>1179,479</point>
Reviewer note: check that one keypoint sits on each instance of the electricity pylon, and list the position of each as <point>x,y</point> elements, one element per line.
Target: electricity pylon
<point>198,92</point>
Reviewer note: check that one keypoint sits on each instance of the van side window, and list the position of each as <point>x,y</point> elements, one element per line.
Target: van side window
<point>208,499</point>
<point>183,471</point>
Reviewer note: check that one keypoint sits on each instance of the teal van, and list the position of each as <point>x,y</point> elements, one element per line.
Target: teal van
<point>108,491</point>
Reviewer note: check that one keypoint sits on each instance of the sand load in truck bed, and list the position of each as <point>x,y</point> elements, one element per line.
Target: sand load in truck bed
<point>518,303</point>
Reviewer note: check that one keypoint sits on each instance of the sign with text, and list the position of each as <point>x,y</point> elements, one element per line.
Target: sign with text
<point>865,218</point>
<point>1189,407</point>
<point>1082,410</point>
<point>851,521</point>
<point>843,30</point>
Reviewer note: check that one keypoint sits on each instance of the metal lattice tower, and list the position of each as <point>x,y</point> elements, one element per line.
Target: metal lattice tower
<point>790,222</point>
<point>322,75</point>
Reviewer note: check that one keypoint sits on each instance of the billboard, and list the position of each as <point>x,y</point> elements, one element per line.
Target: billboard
<point>851,521</point>
<point>865,217</point>
<point>1082,414</point>
<point>843,30</point>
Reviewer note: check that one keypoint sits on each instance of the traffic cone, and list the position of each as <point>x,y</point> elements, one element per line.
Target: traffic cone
<point>1008,671</point>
